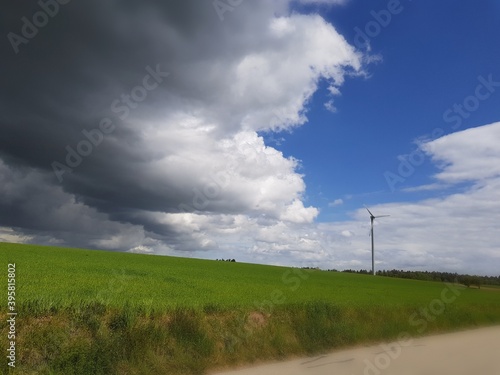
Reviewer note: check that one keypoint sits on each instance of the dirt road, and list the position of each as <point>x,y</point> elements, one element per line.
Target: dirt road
<point>475,352</point>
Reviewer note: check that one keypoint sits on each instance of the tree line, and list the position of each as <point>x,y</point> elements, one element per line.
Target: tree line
<point>467,280</point>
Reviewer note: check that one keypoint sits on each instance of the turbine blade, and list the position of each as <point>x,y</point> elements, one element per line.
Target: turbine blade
<point>381,216</point>
<point>369,211</point>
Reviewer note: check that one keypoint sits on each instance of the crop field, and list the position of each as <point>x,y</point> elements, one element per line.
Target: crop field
<point>96,312</point>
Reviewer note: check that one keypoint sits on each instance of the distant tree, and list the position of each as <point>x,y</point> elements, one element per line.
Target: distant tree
<point>466,280</point>
<point>476,280</point>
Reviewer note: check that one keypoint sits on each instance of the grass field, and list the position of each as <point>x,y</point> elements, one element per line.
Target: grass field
<point>95,312</point>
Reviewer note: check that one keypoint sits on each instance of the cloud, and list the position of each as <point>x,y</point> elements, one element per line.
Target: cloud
<point>330,106</point>
<point>470,155</point>
<point>428,187</point>
<point>336,202</point>
<point>182,165</point>
<point>331,2</point>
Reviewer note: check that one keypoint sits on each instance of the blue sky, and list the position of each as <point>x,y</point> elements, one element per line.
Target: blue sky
<point>256,130</point>
<point>431,55</point>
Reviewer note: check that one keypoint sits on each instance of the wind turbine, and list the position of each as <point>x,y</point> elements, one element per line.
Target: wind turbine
<point>372,219</point>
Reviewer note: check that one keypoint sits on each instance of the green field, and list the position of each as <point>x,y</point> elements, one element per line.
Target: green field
<point>96,312</point>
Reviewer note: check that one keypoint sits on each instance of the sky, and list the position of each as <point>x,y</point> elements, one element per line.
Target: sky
<point>255,130</point>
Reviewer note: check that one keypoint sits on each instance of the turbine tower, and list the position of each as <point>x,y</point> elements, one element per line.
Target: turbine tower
<point>372,219</point>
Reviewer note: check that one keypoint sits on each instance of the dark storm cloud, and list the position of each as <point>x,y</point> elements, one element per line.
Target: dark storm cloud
<point>89,55</point>
<point>64,80</point>
<point>69,75</point>
<point>114,115</point>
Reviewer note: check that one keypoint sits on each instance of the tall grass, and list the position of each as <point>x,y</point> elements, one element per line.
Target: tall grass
<point>97,339</point>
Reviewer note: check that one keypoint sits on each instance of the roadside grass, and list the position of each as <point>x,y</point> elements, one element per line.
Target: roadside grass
<point>92,312</point>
